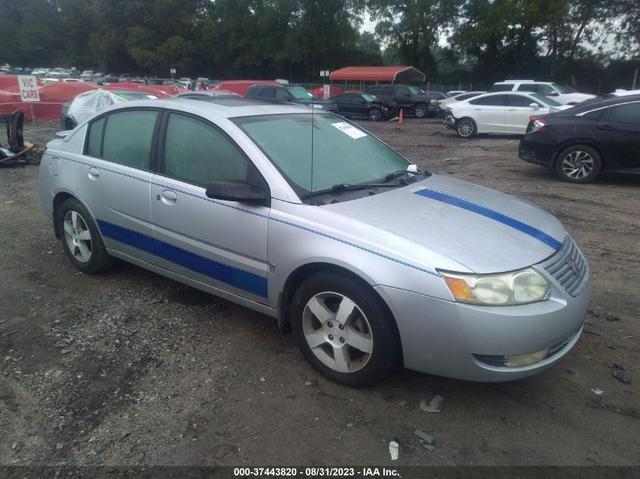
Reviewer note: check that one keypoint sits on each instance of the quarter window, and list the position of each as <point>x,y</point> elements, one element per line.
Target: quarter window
<point>200,154</point>
<point>127,138</point>
<point>94,142</point>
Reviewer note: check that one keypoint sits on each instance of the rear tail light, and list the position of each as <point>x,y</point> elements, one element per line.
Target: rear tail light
<point>536,124</point>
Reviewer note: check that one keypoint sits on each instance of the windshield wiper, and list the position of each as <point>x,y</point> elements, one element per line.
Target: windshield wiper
<point>347,187</point>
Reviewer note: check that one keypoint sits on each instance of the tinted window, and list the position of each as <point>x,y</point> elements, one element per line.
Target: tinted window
<point>282,94</point>
<point>546,90</point>
<point>508,87</point>
<point>403,90</point>
<point>528,87</point>
<point>520,100</point>
<point>494,100</point>
<point>629,113</point>
<point>388,90</point>
<point>127,138</point>
<point>94,141</point>
<point>267,92</point>
<point>198,153</point>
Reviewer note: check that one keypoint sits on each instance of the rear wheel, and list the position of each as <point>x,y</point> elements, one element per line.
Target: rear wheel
<point>344,330</point>
<point>421,110</point>
<point>375,114</point>
<point>81,238</point>
<point>578,164</point>
<point>466,128</point>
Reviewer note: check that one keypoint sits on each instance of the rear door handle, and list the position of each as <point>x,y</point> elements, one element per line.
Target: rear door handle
<point>94,173</point>
<point>169,197</point>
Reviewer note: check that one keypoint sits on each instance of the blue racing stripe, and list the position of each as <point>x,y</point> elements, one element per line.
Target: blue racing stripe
<point>237,278</point>
<point>494,215</point>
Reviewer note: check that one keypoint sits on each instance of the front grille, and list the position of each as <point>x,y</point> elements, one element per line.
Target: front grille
<point>569,267</point>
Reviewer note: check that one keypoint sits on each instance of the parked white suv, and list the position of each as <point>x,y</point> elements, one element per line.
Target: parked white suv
<point>563,94</point>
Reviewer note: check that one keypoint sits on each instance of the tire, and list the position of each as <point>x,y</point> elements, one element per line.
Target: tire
<point>421,110</point>
<point>578,164</point>
<point>329,344</point>
<point>466,128</point>
<point>81,238</point>
<point>375,114</point>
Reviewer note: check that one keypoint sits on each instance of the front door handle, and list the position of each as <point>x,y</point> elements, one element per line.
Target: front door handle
<point>169,197</point>
<point>605,127</point>
<point>94,173</point>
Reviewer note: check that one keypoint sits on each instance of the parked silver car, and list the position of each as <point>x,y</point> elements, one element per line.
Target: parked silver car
<point>310,219</point>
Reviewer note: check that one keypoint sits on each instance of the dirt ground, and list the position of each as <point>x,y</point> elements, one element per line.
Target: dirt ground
<point>129,368</point>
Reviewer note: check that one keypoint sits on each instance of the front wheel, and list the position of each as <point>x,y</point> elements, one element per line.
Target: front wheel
<point>344,330</point>
<point>375,114</point>
<point>466,128</point>
<point>421,110</point>
<point>578,164</point>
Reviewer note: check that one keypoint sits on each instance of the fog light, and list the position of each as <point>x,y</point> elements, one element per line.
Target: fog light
<point>521,360</point>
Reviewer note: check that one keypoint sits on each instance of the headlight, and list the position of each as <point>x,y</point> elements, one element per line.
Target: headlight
<point>518,287</point>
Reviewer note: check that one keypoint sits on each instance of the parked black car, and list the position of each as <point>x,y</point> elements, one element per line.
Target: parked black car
<point>296,95</point>
<point>583,141</point>
<point>412,99</point>
<point>362,105</point>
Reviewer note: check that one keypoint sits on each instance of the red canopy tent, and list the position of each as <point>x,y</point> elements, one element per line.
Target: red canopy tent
<point>387,74</point>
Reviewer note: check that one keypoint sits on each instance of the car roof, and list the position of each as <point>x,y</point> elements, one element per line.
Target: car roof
<point>225,107</point>
<point>598,104</point>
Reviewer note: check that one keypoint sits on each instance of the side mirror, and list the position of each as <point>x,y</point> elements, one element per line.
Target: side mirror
<point>534,106</point>
<point>237,191</point>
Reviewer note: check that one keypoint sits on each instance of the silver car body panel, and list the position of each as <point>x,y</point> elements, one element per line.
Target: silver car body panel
<point>396,241</point>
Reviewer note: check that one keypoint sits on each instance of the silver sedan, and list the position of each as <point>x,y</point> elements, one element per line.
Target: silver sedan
<point>308,218</point>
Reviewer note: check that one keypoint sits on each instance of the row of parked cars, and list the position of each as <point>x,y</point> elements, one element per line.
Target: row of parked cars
<point>575,134</point>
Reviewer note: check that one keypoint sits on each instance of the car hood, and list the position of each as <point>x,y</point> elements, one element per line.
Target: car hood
<point>482,229</point>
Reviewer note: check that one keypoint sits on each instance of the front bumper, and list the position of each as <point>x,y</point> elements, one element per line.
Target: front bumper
<point>449,120</point>
<point>463,341</point>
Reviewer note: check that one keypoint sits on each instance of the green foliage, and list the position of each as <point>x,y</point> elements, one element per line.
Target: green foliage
<point>451,40</point>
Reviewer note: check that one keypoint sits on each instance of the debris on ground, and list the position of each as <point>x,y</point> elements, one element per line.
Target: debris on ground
<point>621,373</point>
<point>433,406</point>
<point>394,449</point>
<point>597,391</point>
<point>426,440</point>
<point>612,317</point>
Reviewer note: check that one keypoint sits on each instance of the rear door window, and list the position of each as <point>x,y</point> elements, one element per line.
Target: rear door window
<point>629,113</point>
<point>128,136</point>
<point>528,87</point>
<point>94,139</point>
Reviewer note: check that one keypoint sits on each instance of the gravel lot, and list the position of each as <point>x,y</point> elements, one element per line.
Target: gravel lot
<point>129,368</point>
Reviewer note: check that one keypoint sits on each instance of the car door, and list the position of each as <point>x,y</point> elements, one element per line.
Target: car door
<point>624,125</point>
<point>489,113</point>
<point>115,178</point>
<point>221,244</point>
<point>518,111</point>
<point>345,104</point>
<point>403,98</point>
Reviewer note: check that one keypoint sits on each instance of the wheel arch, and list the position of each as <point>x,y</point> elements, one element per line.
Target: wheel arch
<point>305,271</point>
<point>574,142</point>
<point>59,198</point>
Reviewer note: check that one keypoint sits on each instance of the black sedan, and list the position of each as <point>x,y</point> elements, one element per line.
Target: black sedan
<point>361,105</point>
<point>583,141</point>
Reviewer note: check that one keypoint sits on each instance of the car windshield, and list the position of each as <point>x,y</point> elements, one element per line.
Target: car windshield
<point>416,90</point>
<point>369,97</point>
<point>299,93</point>
<point>545,100</point>
<point>316,152</point>
<point>565,89</point>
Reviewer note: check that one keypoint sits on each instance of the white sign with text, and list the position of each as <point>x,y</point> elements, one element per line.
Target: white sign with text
<point>28,88</point>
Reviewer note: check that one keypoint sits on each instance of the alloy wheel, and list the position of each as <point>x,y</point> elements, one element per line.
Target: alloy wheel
<point>421,111</point>
<point>577,164</point>
<point>465,128</point>
<point>374,115</point>
<point>338,332</point>
<point>77,236</point>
